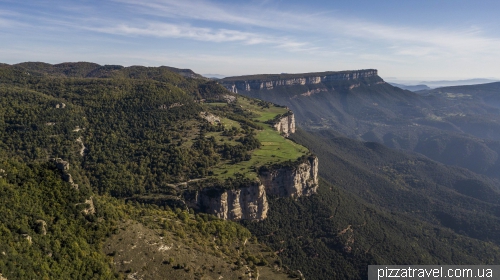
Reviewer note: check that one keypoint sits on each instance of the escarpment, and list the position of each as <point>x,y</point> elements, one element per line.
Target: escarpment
<point>247,203</point>
<point>293,180</point>
<point>260,82</point>
<point>285,125</point>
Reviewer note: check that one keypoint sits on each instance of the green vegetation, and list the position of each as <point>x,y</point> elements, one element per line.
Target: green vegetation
<point>141,127</point>
<point>274,148</point>
<point>335,235</point>
<point>135,133</point>
<point>46,233</point>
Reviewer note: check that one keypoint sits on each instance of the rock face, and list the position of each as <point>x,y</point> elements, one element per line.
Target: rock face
<point>286,125</point>
<point>248,203</point>
<point>63,166</point>
<point>292,181</point>
<point>250,83</point>
<point>41,227</point>
<point>211,118</point>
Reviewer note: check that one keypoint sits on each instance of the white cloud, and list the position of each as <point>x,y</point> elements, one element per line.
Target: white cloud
<point>168,30</point>
<point>276,33</point>
<point>413,41</point>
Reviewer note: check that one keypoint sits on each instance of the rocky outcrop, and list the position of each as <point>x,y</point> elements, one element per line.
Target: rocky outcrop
<point>286,124</point>
<point>41,227</point>
<point>211,118</point>
<point>300,179</point>
<point>83,148</point>
<point>250,202</point>
<point>63,166</point>
<point>247,83</point>
<point>247,203</point>
<point>89,206</point>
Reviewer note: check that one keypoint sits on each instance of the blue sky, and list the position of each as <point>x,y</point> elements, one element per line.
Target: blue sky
<point>431,40</point>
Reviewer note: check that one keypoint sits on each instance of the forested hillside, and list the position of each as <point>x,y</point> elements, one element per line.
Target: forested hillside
<point>382,206</point>
<point>76,134</point>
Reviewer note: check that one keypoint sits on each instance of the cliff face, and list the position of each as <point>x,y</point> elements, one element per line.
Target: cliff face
<point>249,83</point>
<point>286,125</point>
<point>250,203</point>
<point>301,180</point>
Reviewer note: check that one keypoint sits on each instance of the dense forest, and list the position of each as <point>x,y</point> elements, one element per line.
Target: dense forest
<point>75,135</point>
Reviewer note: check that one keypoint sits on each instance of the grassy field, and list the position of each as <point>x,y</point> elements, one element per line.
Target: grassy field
<point>264,114</point>
<point>275,148</point>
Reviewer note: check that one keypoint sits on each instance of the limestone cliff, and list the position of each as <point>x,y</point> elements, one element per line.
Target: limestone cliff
<point>250,202</point>
<point>247,83</point>
<point>299,179</point>
<point>247,203</point>
<point>285,124</point>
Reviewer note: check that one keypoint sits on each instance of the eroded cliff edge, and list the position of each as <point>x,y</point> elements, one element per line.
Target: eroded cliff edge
<point>250,202</point>
<point>285,124</point>
<point>259,82</point>
<point>294,179</point>
<point>247,199</point>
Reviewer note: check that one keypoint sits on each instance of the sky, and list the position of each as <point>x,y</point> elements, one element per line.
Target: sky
<point>403,39</point>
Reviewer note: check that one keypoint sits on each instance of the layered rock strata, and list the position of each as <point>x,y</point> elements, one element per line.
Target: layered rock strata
<point>235,85</point>
<point>250,202</point>
<point>287,181</point>
<point>286,125</point>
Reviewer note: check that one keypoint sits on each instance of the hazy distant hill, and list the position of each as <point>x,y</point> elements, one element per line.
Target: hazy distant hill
<point>411,87</point>
<point>445,83</point>
<point>484,94</point>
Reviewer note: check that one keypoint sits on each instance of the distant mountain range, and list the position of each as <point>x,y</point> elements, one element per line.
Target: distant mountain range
<point>425,85</point>
<point>411,88</point>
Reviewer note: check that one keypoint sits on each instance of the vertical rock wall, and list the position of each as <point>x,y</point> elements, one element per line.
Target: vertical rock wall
<point>292,181</point>
<point>248,203</point>
<point>286,125</point>
<point>252,84</point>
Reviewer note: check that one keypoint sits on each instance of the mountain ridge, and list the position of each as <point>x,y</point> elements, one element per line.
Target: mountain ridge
<point>270,81</point>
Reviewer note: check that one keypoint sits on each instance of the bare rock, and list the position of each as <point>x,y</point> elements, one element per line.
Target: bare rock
<point>292,181</point>
<point>286,125</point>
<point>247,203</point>
<point>211,118</point>
<point>248,84</point>
<point>61,164</point>
<point>41,227</point>
<point>90,210</point>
